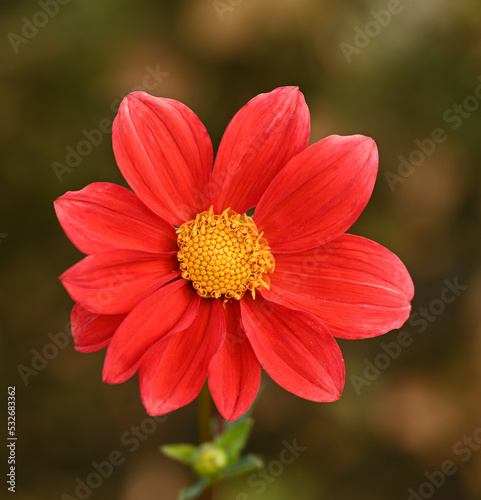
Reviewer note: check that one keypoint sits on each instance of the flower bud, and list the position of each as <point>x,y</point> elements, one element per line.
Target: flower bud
<point>211,460</point>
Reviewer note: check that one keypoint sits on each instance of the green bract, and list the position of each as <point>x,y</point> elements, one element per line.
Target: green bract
<point>217,459</point>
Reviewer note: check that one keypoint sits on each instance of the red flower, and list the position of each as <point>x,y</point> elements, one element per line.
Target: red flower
<point>181,285</point>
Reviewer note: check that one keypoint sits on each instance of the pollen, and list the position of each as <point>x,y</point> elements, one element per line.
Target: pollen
<point>224,255</point>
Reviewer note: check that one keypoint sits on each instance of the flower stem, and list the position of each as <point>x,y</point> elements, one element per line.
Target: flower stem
<point>220,423</point>
<point>205,433</point>
<point>205,412</point>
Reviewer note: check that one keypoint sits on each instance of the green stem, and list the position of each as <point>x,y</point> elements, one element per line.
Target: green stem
<point>205,434</point>
<point>205,412</point>
<point>220,423</point>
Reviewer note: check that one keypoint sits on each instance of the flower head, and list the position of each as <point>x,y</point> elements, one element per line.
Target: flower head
<point>182,285</point>
<point>224,255</point>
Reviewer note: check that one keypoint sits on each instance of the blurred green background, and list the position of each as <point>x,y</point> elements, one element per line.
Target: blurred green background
<point>395,71</point>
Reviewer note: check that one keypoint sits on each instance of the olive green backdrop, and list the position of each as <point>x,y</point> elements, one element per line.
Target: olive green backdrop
<point>408,74</point>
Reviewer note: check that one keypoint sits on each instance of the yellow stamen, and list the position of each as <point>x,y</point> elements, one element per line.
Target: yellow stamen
<point>224,255</point>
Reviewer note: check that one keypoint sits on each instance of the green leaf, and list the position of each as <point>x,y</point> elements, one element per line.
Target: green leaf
<point>216,460</point>
<point>194,491</point>
<point>245,464</point>
<point>184,453</point>
<point>234,439</point>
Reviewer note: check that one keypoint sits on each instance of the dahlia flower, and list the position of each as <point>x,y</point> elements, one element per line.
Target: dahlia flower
<point>184,282</point>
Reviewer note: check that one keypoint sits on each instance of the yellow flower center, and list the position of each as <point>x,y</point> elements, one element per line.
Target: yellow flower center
<point>224,254</point>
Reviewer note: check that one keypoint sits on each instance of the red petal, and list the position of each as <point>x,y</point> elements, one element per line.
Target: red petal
<point>92,332</point>
<point>355,286</point>
<point>173,306</point>
<point>104,216</point>
<point>234,371</point>
<point>115,282</point>
<point>261,138</point>
<point>319,193</point>
<point>173,372</point>
<point>165,154</point>
<point>295,349</point>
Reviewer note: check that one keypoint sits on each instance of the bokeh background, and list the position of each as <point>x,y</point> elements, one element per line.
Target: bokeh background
<point>395,71</point>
